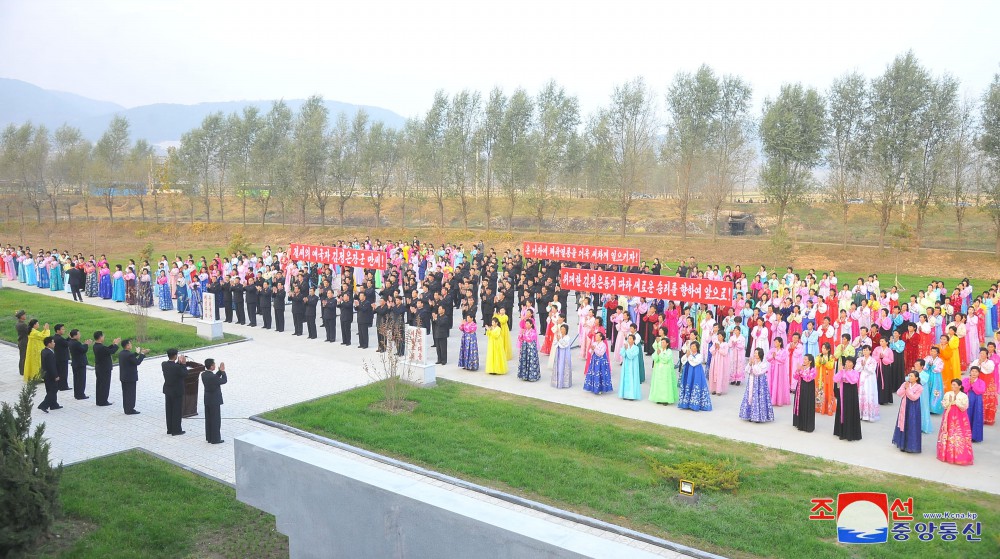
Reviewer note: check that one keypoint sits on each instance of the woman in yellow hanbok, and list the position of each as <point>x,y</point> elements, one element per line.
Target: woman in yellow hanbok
<point>949,354</point>
<point>33,355</point>
<point>504,320</point>
<point>496,362</point>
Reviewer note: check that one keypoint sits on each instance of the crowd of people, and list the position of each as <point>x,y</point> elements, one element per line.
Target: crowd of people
<point>807,341</point>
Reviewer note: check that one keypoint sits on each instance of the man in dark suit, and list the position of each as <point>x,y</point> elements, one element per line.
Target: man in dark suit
<point>76,282</point>
<point>298,310</point>
<point>329,305</point>
<point>78,352</point>
<point>278,303</point>
<point>366,314</point>
<point>128,373</point>
<point>346,318</point>
<point>23,330</point>
<point>102,366</point>
<point>227,299</point>
<point>252,300</point>
<point>50,375</point>
<point>311,301</point>
<point>215,288</point>
<point>62,356</point>
<point>174,371</point>
<point>440,322</point>
<point>213,382</point>
<point>239,301</point>
<point>264,293</point>
<point>382,311</point>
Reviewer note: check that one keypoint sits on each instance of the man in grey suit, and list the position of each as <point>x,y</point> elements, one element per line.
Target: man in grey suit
<point>174,371</point>
<point>213,381</point>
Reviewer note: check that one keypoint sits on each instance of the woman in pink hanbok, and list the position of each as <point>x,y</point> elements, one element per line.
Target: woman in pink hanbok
<point>623,328</point>
<point>670,317</point>
<point>550,327</point>
<point>796,352</point>
<point>777,373</point>
<point>759,337</point>
<point>973,337</point>
<point>737,355</point>
<point>721,367</point>
<point>868,385</point>
<point>954,444</point>
<point>581,313</point>
<point>587,332</point>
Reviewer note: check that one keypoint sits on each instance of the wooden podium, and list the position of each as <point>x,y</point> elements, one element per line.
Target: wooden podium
<point>189,405</point>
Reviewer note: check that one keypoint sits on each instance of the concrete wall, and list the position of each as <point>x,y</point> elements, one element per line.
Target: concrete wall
<point>334,507</point>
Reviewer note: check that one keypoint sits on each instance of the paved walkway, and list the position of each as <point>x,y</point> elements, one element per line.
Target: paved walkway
<point>277,369</point>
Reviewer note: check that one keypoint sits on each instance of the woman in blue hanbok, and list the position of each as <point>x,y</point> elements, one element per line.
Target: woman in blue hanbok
<point>145,289</point>
<point>43,272</point>
<point>163,292</point>
<point>93,280</point>
<point>694,393</point>
<point>562,360</point>
<point>629,387</point>
<point>468,355</point>
<point>104,285</point>
<point>919,368</point>
<point>906,435</point>
<point>182,294</point>
<point>194,297</point>
<point>118,285</point>
<point>756,406</point>
<point>597,378</point>
<point>55,274</point>
<point>934,369</point>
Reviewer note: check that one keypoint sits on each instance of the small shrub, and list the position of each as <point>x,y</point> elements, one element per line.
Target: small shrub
<point>29,485</point>
<point>146,253</point>
<point>720,476</point>
<point>238,243</point>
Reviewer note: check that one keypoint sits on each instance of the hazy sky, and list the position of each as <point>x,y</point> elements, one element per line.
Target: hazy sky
<point>396,54</point>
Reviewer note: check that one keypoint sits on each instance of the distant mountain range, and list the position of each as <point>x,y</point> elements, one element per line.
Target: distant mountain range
<point>161,123</point>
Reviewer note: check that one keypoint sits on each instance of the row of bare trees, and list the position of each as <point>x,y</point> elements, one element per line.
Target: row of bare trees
<point>903,136</point>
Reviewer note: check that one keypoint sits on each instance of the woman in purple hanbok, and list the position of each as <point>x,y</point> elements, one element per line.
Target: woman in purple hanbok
<point>907,433</point>
<point>468,354</point>
<point>756,405</point>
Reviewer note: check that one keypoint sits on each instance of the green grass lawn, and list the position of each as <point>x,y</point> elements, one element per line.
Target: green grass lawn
<point>596,464</point>
<point>87,318</point>
<point>133,505</point>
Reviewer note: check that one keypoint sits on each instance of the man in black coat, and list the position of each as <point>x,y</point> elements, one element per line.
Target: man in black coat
<point>329,313</point>
<point>50,375</point>
<point>346,318</point>
<point>213,382</point>
<point>252,300</point>
<point>174,371</point>
<point>264,293</point>
<point>128,374</point>
<point>382,311</point>
<point>278,303</point>
<point>23,330</point>
<point>398,319</point>
<point>62,356</point>
<point>366,314</point>
<point>76,282</point>
<point>216,288</point>
<point>239,301</point>
<point>102,366</point>
<point>441,327</point>
<point>311,301</point>
<point>227,300</point>
<point>298,300</point>
<point>78,352</point>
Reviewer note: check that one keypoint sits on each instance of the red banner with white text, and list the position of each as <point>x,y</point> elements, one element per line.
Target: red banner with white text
<point>690,290</point>
<point>339,256</point>
<point>582,253</point>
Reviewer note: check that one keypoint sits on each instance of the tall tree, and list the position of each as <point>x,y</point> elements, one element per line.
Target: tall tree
<point>138,173</point>
<point>896,102</point>
<point>937,125</point>
<point>626,136</point>
<point>348,142</point>
<point>793,132</point>
<point>990,144</point>
<point>381,157</point>
<point>272,158</point>
<point>408,172</point>
<point>311,148</point>
<point>460,148</point>
<point>433,173</point>
<point>961,159</point>
<point>553,139</point>
<point>692,105</point>
<point>729,149</point>
<point>69,164</point>
<point>110,153</point>
<point>488,136</point>
<point>514,153</point>
<point>848,124</point>
<point>245,133</point>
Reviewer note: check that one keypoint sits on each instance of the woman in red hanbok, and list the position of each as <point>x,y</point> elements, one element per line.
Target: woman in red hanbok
<point>912,351</point>
<point>554,308</point>
<point>954,444</point>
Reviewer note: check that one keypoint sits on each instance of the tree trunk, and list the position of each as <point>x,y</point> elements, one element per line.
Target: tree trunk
<point>715,223</point>
<point>683,202</point>
<point>997,247</point>
<point>624,223</point>
<point>38,213</point>
<point>263,213</point>
<point>959,217</point>
<point>111,211</point>
<point>378,212</point>
<point>781,213</point>
<point>510,216</point>
<point>846,210</point>
<point>244,208</point>
<point>489,211</point>
<point>322,213</point>
<point>208,209</point>
<point>156,209</point>
<point>142,209</point>
<point>402,212</point>
<point>441,211</point>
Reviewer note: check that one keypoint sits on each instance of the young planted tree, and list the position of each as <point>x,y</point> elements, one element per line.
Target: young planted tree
<point>381,157</point>
<point>69,165</point>
<point>271,158</point>
<point>793,132</point>
<point>312,155</point>
<point>487,138</point>
<point>460,148</point>
<point>433,172</point>
<point>961,160</point>
<point>848,123</point>
<point>937,126</point>
<point>408,171</point>
<point>729,149</point>
<point>245,131</point>
<point>348,142</point>
<point>990,145</point>
<point>110,154</point>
